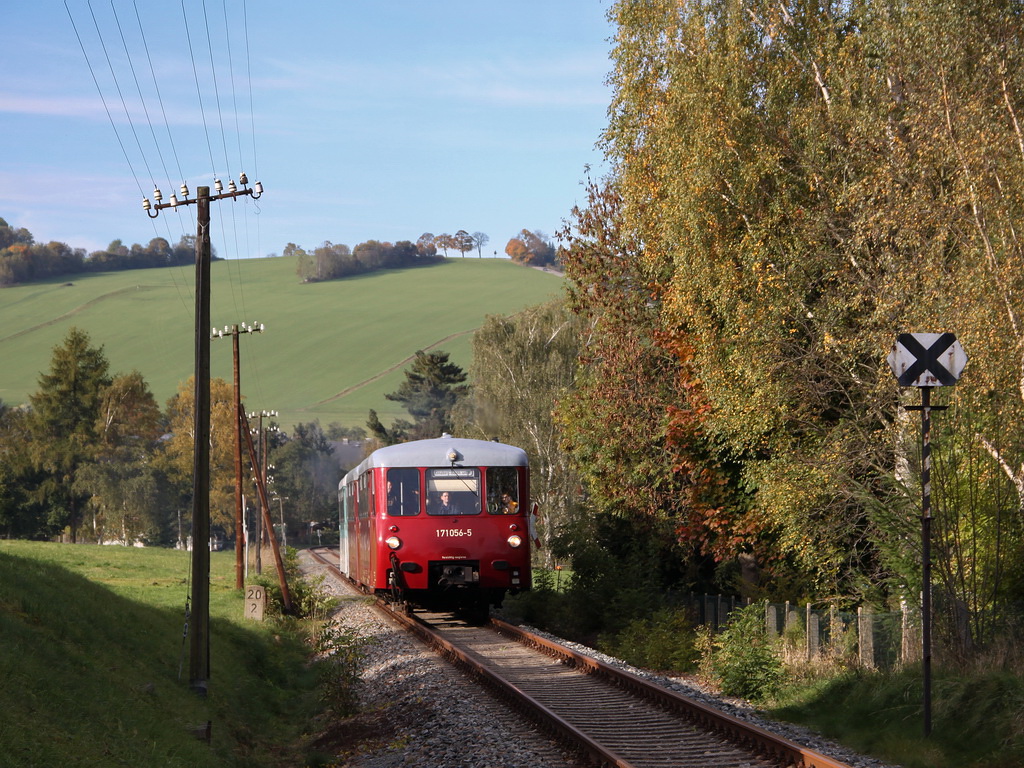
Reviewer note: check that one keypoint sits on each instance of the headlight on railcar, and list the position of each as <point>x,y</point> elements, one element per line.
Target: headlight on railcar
<point>393,542</point>
<point>515,541</point>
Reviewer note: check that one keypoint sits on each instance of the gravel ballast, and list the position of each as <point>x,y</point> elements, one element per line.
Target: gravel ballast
<point>418,710</point>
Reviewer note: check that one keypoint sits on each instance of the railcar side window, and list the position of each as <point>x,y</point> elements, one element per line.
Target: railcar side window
<point>502,490</point>
<point>403,492</point>
<point>362,511</point>
<point>453,491</point>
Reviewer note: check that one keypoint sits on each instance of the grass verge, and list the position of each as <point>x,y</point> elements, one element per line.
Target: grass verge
<point>94,666</point>
<point>977,716</point>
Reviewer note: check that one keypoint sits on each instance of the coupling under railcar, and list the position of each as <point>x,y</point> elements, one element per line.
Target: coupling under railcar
<point>441,523</point>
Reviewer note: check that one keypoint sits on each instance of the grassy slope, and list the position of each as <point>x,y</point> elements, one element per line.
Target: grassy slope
<point>330,351</point>
<point>90,647</point>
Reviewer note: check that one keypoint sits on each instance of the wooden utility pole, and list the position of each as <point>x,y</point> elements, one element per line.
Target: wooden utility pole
<point>199,622</point>
<point>239,539</point>
<point>199,647</point>
<point>240,542</point>
<point>268,525</point>
<point>259,468</point>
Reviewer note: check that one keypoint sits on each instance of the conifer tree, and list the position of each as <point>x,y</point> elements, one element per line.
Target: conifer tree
<point>432,388</point>
<point>63,420</point>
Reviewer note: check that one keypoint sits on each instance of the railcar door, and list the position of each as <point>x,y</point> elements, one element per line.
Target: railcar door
<point>343,531</point>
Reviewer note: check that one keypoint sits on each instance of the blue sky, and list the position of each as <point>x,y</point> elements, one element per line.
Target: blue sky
<point>368,120</point>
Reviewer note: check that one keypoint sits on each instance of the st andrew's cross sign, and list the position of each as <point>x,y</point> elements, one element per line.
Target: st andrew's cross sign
<point>927,359</point>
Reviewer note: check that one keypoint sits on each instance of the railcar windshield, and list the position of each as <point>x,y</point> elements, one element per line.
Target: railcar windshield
<point>503,490</point>
<point>453,491</point>
<point>403,492</point>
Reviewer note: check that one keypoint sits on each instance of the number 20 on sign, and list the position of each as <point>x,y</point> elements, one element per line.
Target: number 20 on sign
<point>255,602</point>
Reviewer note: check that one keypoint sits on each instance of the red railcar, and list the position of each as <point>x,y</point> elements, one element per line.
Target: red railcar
<point>440,523</point>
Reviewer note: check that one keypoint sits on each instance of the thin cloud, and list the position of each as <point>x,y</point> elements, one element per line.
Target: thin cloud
<point>51,106</point>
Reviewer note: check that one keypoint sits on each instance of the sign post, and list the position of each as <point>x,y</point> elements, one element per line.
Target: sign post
<point>926,360</point>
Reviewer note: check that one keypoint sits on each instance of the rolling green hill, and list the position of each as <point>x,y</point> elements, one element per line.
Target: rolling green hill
<point>330,350</point>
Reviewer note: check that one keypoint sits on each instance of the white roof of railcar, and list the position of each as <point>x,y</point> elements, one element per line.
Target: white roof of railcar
<point>435,452</point>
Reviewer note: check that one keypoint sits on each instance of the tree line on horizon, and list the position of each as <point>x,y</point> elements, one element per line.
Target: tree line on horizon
<point>332,261</point>
<point>23,260</point>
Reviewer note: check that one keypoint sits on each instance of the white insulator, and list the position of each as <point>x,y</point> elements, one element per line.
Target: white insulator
<point>157,194</point>
<point>174,201</point>
<point>184,190</point>
<point>231,186</point>
<point>217,185</point>
<point>243,179</point>
<point>146,205</point>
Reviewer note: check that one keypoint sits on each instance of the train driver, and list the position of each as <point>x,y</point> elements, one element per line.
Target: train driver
<point>444,505</point>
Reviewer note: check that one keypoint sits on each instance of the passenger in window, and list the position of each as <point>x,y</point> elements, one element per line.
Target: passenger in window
<point>508,505</point>
<point>394,500</point>
<point>444,505</point>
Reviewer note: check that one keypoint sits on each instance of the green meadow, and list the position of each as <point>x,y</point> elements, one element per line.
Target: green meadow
<point>94,666</point>
<point>330,350</point>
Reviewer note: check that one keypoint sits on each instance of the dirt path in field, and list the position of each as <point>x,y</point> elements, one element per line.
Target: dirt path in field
<point>71,313</point>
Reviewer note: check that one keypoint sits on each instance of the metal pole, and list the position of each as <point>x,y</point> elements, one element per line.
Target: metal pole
<point>199,656</point>
<point>926,546</point>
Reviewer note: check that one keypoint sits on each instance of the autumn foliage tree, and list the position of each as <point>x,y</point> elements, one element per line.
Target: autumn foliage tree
<point>807,181</point>
<point>532,248</point>
<point>123,486</point>
<point>177,459</point>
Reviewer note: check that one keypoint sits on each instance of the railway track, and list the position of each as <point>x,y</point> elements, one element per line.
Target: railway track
<point>612,717</point>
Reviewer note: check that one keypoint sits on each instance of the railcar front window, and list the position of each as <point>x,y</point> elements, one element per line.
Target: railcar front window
<point>403,492</point>
<point>453,491</point>
<point>502,490</point>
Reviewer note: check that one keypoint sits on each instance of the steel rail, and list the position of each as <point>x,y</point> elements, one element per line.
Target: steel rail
<point>738,731</point>
<point>478,668</point>
<point>743,734</point>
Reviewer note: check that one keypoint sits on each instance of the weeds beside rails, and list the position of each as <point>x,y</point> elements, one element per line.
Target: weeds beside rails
<point>741,658</point>
<point>341,654</point>
<point>339,650</point>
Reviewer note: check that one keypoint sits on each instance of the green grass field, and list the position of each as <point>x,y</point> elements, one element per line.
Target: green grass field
<point>94,669</point>
<point>330,350</point>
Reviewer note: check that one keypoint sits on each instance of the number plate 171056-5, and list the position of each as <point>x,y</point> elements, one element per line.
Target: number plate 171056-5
<point>453,533</point>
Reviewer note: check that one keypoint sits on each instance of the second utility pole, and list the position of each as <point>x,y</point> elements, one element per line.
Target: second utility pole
<point>240,542</point>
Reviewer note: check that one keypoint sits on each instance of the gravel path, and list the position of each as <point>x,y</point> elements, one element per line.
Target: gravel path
<point>417,710</point>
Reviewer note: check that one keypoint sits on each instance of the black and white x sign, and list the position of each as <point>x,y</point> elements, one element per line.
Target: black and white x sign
<point>927,359</point>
